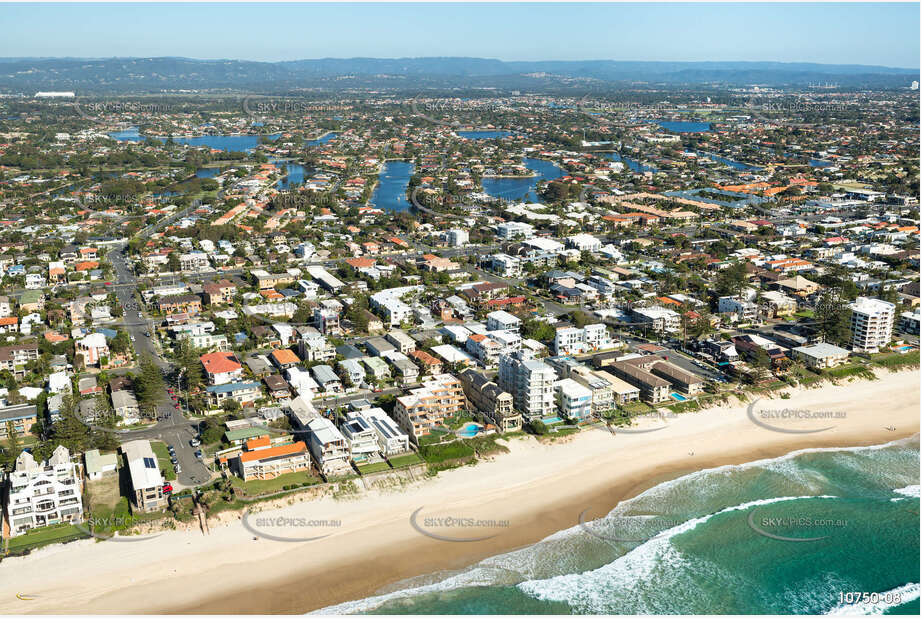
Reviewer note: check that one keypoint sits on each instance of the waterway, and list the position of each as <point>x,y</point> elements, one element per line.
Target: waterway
<point>522,189</point>
<point>393,181</point>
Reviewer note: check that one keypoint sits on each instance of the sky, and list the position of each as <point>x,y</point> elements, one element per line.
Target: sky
<point>847,33</point>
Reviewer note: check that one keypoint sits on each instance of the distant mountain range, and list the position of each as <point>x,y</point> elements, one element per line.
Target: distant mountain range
<point>98,75</point>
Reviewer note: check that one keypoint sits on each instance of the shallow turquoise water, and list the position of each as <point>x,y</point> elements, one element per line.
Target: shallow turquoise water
<point>778,536</point>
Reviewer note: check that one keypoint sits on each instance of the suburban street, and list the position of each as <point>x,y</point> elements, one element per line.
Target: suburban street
<point>173,427</point>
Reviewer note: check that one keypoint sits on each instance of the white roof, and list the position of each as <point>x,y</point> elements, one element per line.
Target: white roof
<point>142,464</point>
<point>451,354</point>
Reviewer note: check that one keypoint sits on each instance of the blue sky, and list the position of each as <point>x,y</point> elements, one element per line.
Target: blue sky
<point>849,33</point>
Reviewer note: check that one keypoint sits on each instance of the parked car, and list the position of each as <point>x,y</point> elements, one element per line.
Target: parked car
<point>199,454</point>
<point>167,488</point>
<point>194,442</point>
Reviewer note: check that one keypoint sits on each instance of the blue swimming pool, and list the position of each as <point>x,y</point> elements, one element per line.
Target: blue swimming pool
<point>470,430</point>
<point>552,420</point>
<point>678,397</point>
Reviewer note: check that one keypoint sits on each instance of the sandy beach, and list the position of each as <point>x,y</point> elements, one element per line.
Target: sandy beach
<point>522,496</point>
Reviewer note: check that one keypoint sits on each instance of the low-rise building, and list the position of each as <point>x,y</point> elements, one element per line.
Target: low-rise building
<point>441,396</point>
<point>495,405</point>
<point>329,447</point>
<point>821,355</point>
<point>144,476</point>
<point>264,461</point>
<point>43,493</point>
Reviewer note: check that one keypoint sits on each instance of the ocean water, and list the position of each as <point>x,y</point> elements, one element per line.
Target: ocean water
<point>776,536</point>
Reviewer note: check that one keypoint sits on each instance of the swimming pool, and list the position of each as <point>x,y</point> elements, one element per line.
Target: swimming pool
<point>469,430</point>
<point>678,397</point>
<point>552,420</point>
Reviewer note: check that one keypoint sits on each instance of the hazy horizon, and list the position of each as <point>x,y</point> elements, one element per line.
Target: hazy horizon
<point>871,34</point>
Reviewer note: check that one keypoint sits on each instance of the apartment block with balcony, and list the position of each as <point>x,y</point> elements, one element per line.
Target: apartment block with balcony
<point>44,493</point>
<point>441,396</point>
<point>530,382</point>
<point>871,324</point>
<point>494,404</point>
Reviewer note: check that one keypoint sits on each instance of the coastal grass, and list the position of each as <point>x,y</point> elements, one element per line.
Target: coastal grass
<point>166,467</point>
<point>102,495</point>
<point>895,361</point>
<point>402,461</point>
<point>371,468</point>
<point>34,539</point>
<point>637,408</point>
<point>279,483</point>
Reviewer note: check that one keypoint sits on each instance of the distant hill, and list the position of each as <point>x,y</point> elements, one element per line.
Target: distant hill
<point>157,74</point>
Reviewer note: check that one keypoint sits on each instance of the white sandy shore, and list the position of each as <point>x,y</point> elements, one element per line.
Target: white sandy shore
<point>537,487</point>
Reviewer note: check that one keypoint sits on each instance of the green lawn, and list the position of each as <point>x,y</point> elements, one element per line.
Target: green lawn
<point>637,407</point>
<point>895,360</point>
<point>280,483</point>
<point>440,453</point>
<point>163,460</point>
<point>374,467</point>
<point>46,536</point>
<point>407,459</point>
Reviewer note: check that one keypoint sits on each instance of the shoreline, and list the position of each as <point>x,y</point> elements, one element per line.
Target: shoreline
<point>539,488</point>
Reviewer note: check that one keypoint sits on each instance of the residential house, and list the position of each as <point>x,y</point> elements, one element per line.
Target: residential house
<point>329,447</point>
<point>439,397</point>
<point>146,481</point>
<point>43,494</point>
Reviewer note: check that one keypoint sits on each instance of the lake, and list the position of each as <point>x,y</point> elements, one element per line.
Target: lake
<point>731,163</point>
<point>293,174</point>
<point>393,180</point>
<point>522,189</point>
<point>633,165</point>
<point>322,140</point>
<point>227,143</point>
<point>682,126</point>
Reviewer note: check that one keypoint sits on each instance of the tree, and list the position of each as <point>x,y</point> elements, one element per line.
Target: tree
<point>149,387</point>
<point>13,448</point>
<point>172,262</point>
<point>188,359</point>
<point>731,280</point>
<point>70,431</point>
<point>832,317</point>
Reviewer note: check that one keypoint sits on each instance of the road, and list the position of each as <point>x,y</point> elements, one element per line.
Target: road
<point>172,427</point>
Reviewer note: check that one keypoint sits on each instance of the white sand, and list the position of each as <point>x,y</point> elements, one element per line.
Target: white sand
<point>538,487</point>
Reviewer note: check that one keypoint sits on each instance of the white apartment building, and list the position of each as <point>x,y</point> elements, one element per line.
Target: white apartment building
<point>744,310</point>
<point>573,399</point>
<point>514,229</point>
<point>329,447</point>
<point>457,237</point>
<point>572,340</point>
<point>871,324</point>
<point>43,494</point>
<point>502,320</point>
<point>361,437</point>
<point>391,440</point>
<point>390,304</point>
<point>662,320</point>
<point>530,383</point>
<point>505,265</point>
<point>583,242</point>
